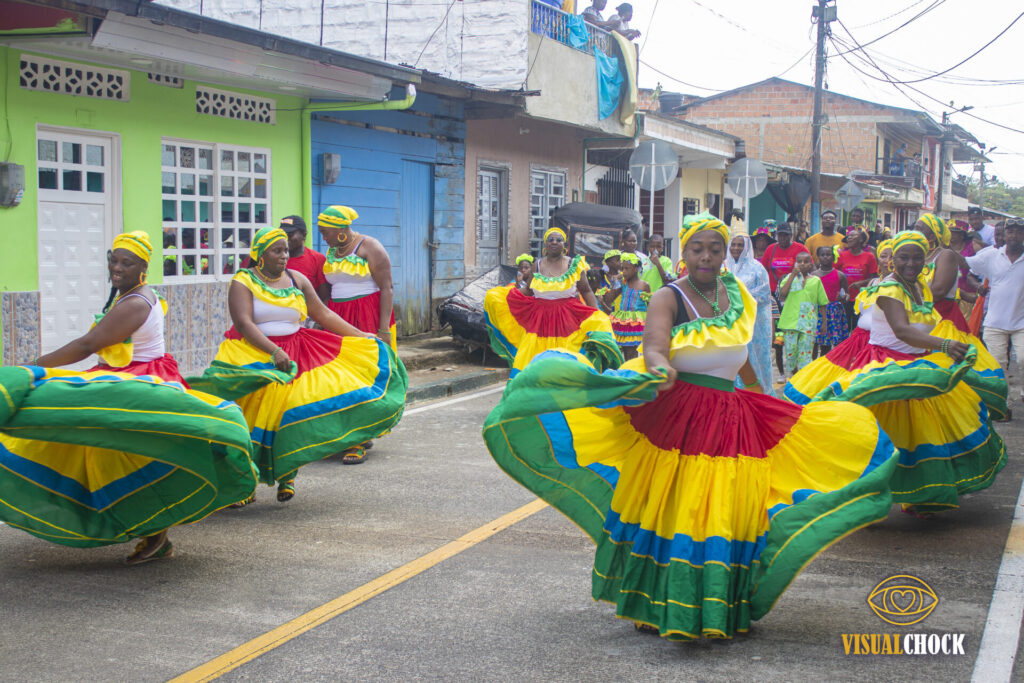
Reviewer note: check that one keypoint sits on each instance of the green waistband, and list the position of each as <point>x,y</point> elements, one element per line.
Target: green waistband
<point>706,381</point>
<point>351,298</point>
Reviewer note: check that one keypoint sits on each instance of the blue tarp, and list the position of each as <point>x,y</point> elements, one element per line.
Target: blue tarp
<point>578,34</point>
<point>609,83</point>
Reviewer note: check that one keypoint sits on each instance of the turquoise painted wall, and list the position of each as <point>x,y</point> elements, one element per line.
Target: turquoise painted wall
<point>154,111</point>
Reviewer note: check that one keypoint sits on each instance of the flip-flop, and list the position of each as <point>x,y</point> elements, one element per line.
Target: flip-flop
<point>242,503</point>
<point>140,556</point>
<point>354,456</point>
<point>285,491</point>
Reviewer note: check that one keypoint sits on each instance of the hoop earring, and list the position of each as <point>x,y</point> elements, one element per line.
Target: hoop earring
<point>142,280</point>
<point>259,263</point>
<point>343,238</point>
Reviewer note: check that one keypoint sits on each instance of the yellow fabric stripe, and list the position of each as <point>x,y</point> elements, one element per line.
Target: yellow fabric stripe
<point>292,298</point>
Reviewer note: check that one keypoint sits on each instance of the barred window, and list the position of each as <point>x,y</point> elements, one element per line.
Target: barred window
<point>215,198</point>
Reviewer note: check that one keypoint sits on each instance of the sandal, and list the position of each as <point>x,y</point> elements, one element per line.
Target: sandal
<point>145,553</point>
<point>646,628</point>
<point>354,455</point>
<point>242,503</point>
<point>285,491</point>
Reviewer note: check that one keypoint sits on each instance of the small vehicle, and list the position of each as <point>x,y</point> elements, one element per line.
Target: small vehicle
<point>464,311</point>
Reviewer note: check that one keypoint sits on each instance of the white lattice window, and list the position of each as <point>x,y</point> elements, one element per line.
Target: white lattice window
<point>233,105</point>
<point>215,198</point>
<point>547,192</point>
<point>71,78</point>
<point>169,81</point>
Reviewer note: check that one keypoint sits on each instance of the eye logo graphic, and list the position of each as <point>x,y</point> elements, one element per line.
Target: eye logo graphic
<point>903,600</point>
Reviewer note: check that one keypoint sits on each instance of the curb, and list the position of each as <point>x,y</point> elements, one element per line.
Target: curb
<point>449,387</point>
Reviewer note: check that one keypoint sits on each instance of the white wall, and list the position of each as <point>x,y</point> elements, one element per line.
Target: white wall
<point>483,42</point>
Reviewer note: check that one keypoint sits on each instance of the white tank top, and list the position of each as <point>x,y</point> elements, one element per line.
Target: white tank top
<point>882,334</point>
<point>275,321</point>
<point>148,340</point>
<point>723,362</point>
<point>570,293</point>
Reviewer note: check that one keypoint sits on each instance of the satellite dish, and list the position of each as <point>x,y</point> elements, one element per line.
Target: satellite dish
<point>653,165</point>
<point>747,178</point>
<point>849,195</point>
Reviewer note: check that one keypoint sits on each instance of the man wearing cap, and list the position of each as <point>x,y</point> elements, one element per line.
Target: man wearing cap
<point>978,225</point>
<point>828,237</point>
<point>306,261</point>
<point>780,258</point>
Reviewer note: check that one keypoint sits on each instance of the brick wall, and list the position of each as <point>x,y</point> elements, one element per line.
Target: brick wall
<point>774,119</point>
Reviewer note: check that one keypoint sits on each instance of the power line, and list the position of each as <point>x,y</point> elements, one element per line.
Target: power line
<point>923,12</point>
<point>960,63</point>
<point>443,20</point>
<point>650,23</point>
<point>895,14</point>
<point>673,78</point>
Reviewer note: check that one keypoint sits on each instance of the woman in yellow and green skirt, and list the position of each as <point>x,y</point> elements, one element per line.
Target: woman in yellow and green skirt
<point>704,501</point>
<point>306,393</point>
<point>547,313</point>
<point>933,394</point>
<point>124,450</point>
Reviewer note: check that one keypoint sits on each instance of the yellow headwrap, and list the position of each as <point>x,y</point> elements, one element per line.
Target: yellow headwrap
<point>264,238</point>
<point>553,230</point>
<point>336,217</point>
<point>883,245</point>
<point>136,242</point>
<point>913,237</point>
<point>704,221</point>
<point>629,258</point>
<point>523,257</point>
<point>938,227</point>
<point>611,253</point>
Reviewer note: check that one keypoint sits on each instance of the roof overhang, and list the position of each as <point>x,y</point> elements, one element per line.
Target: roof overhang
<point>188,46</point>
<point>697,146</point>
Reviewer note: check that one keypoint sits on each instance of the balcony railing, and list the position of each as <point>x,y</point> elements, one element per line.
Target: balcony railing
<point>907,173</point>
<point>569,29</point>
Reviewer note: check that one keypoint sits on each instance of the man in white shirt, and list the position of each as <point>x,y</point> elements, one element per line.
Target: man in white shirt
<point>1003,267</point>
<point>977,222</point>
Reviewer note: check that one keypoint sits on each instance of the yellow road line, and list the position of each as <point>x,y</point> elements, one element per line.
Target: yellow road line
<point>246,652</point>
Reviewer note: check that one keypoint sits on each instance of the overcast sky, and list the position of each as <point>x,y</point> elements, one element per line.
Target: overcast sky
<point>723,44</point>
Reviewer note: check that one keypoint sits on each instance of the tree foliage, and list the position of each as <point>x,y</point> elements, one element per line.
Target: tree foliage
<point>998,196</point>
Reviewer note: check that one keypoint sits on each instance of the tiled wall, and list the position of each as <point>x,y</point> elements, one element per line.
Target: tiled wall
<point>197,317</point>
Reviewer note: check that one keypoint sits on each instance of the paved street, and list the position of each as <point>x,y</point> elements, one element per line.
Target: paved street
<point>514,606</point>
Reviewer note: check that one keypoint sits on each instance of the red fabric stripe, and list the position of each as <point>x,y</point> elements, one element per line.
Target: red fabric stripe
<point>722,424</point>
<point>547,317</point>
<point>949,309</point>
<point>856,352</point>
<point>362,313</point>
<point>164,367</point>
<point>308,348</point>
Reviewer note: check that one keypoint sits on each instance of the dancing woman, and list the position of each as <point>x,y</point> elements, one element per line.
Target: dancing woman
<point>704,501</point>
<point>306,393</point>
<point>910,369</point>
<point>942,269</point>
<point>548,313</point>
<point>124,450</point>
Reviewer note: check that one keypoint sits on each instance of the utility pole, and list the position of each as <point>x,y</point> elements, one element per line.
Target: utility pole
<point>942,165</point>
<point>823,14</point>
<point>981,185</point>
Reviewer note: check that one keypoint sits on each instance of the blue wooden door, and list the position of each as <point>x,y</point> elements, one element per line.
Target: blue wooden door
<point>412,296</point>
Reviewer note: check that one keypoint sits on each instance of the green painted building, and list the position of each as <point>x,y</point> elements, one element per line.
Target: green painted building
<point>193,131</point>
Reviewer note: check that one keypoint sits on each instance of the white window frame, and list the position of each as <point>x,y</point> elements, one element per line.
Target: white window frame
<point>216,225</point>
<point>540,222</point>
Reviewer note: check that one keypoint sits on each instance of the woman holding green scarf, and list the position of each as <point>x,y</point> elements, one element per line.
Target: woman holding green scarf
<point>704,501</point>
<point>306,393</point>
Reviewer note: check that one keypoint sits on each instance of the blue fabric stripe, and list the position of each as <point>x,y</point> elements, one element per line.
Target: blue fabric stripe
<point>502,339</point>
<point>52,480</point>
<point>798,496</point>
<point>560,435</point>
<point>795,396</point>
<point>910,458</point>
<point>883,451</point>
<point>342,401</point>
<point>683,547</point>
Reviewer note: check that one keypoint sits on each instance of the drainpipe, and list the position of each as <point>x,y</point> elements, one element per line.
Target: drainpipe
<point>307,135</point>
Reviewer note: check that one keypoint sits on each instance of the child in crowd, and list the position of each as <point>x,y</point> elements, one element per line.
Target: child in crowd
<point>804,300</point>
<point>832,325</point>
<point>524,271</point>
<point>629,305</point>
<point>608,277</point>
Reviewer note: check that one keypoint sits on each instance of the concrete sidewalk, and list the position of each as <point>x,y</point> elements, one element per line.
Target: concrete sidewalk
<point>438,368</point>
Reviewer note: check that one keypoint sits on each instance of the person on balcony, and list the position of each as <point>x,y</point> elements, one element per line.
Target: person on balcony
<point>592,15</point>
<point>897,161</point>
<point>620,22</point>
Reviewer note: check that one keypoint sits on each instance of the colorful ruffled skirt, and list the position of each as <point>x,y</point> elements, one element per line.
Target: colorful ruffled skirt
<point>628,327</point>
<point>704,502</point>
<point>937,413</point>
<point>363,313</point>
<point>344,391</point>
<point>520,327</point>
<point>833,327</point>
<point>100,457</point>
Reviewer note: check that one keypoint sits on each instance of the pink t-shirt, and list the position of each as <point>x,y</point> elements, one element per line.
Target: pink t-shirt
<point>857,267</point>
<point>779,262</point>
